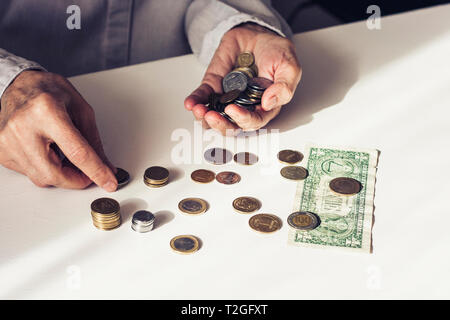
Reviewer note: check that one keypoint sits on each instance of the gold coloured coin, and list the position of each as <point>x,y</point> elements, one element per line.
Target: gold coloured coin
<point>203,176</point>
<point>246,204</point>
<point>345,186</point>
<point>245,59</point>
<point>294,172</point>
<point>290,156</point>
<point>193,206</point>
<point>105,206</point>
<point>184,244</point>
<point>245,158</point>
<point>265,223</point>
<point>228,177</point>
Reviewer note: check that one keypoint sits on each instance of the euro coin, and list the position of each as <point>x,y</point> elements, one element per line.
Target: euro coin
<point>184,244</point>
<point>228,177</point>
<point>245,158</point>
<point>203,176</point>
<point>345,186</point>
<point>246,204</point>
<point>228,97</point>
<point>303,220</point>
<point>294,172</point>
<point>245,59</point>
<point>193,206</point>
<point>122,177</point>
<point>156,174</point>
<point>105,206</point>
<point>234,80</point>
<point>142,221</point>
<point>290,156</point>
<point>218,156</point>
<point>265,223</point>
<point>105,213</point>
<point>259,83</point>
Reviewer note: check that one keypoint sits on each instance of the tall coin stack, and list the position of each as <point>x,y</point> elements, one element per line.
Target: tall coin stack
<point>105,213</point>
<point>240,87</point>
<point>156,177</point>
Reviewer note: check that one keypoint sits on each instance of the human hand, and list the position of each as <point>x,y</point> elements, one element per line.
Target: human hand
<point>39,110</point>
<point>276,60</point>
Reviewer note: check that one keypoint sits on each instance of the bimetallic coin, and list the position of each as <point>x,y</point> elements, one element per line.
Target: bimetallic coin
<point>218,156</point>
<point>290,156</point>
<point>259,83</point>
<point>234,80</point>
<point>185,244</point>
<point>203,176</point>
<point>228,177</point>
<point>294,172</point>
<point>156,174</point>
<point>105,206</point>
<point>122,177</point>
<point>303,220</point>
<point>345,186</point>
<point>193,206</point>
<point>229,96</point>
<point>245,59</point>
<point>246,204</point>
<point>265,223</point>
<point>245,158</point>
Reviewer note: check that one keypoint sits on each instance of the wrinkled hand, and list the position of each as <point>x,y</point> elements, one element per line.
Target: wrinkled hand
<point>276,60</point>
<point>39,110</point>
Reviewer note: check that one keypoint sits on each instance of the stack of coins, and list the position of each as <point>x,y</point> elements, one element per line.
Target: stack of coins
<point>105,214</point>
<point>156,177</point>
<point>240,87</point>
<point>142,221</point>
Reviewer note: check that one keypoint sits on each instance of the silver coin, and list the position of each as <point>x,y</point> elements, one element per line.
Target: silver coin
<point>303,220</point>
<point>218,156</point>
<point>234,80</point>
<point>142,221</point>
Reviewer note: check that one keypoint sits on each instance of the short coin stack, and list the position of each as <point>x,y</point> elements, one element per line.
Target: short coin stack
<point>156,177</point>
<point>142,221</point>
<point>241,87</point>
<point>105,213</point>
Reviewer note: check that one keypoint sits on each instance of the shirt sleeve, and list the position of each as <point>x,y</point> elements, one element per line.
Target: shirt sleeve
<point>11,66</point>
<point>208,20</point>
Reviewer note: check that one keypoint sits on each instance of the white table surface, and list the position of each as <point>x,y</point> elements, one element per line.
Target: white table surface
<point>386,89</point>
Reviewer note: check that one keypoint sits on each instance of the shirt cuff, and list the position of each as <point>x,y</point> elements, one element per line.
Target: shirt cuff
<point>11,66</point>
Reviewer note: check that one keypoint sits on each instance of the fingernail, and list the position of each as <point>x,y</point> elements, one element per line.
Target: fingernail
<point>272,103</point>
<point>110,186</point>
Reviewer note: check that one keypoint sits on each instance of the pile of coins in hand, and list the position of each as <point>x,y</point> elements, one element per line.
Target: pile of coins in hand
<point>156,177</point>
<point>241,87</point>
<point>105,213</point>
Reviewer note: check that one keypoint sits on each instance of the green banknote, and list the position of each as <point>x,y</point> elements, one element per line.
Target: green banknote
<point>346,221</point>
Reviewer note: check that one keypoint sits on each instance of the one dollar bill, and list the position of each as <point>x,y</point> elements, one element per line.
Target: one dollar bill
<point>345,221</point>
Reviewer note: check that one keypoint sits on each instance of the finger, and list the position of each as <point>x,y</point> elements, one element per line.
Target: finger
<point>286,79</point>
<point>250,121</point>
<point>12,165</point>
<point>81,154</point>
<point>198,96</point>
<point>219,123</point>
<point>199,112</point>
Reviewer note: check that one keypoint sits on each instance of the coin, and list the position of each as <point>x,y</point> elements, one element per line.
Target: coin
<point>228,177</point>
<point>246,204</point>
<point>184,244</point>
<point>234,80</point>
<point>294,172</point>
<point>122,177</point>
<point>229,96</point>
<point>265,223</point>
<point>105,206</point>
<point>193,206</point>
<point>259,83</point>
<point>142,221</point>
<point>303,220</point>
<point>249,72</point>
<point>218,156</point>
<point>245,158</point>
<point>345,186</point>
<point>156,174</point>
<point>203,176</point>
<point>245,59</point>
<point>290,156</point>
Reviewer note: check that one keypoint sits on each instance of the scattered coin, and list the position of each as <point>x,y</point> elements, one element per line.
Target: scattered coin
<point>122,177</point>
<point>246,59</point>
<point>193,206</point>
<point>203,176</point>
<point>142,221</point>
<point>290,156</point>
<point>294,172</point>
<point>185,244</point>
<point>229,96</point>
<point>105,213</point>
<point>265,223</point>
<point>218,156</point>
<point>345,186</point>
<point>246,204</point>
<point>228,177</point>
<point>245,158</point>
<point>156,177</point>
<point>303,220</point>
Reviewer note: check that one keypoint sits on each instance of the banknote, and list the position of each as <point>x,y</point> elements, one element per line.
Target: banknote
<point>345,221</point>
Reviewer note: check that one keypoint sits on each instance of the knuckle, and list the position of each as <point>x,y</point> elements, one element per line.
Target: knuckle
<point>99,175</point>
